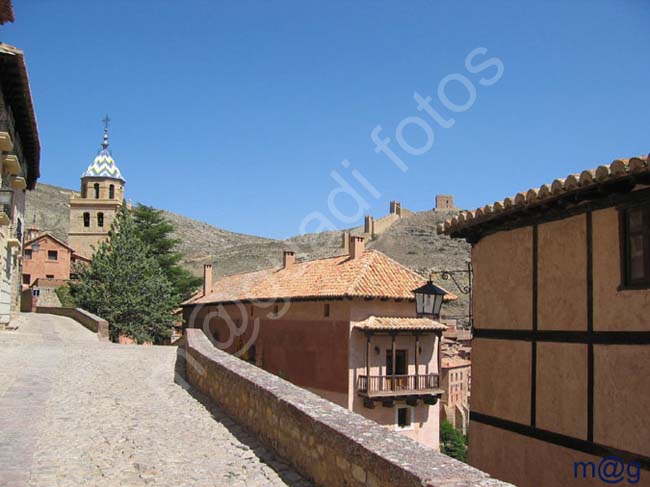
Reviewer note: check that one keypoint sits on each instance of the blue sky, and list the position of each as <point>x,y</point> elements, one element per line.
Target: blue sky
<point>238,113</point>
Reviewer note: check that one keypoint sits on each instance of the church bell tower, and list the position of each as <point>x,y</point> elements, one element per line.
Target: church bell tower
<point>93,211</point>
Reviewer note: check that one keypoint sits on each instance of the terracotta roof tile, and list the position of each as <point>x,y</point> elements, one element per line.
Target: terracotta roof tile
<point>399,323</point>
<point>617,170</point>
<point>455,362</point>
<point>372,275</point>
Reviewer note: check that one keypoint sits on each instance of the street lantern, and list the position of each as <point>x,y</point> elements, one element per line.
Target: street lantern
<point>428,299</point>
<point>6,196</point>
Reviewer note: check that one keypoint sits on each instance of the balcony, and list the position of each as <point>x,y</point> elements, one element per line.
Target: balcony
<point>11,164</point>
<point>410,387</point>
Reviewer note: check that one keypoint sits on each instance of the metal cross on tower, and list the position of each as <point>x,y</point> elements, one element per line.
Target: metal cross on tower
<point>106,121</point>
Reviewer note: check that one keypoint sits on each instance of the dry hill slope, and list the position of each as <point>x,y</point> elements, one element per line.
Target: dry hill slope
<point>411,241</point>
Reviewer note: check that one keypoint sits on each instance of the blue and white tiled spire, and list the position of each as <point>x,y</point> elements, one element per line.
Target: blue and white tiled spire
<point>103,166</point>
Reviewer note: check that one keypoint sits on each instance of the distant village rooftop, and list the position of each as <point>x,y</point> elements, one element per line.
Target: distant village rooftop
<point>361,274</point>
<point>619,176</point>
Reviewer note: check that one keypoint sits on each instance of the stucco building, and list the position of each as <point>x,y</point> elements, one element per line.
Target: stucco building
<point>47,257</point>
<point>455,382</point>
<point>561,349</point>
<point>20,160</point>
<point>344,327</point>
<point>92,212</point>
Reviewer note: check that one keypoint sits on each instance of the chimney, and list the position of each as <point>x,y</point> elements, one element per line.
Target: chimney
<point>345,244</point>
<point>288,259</point>
<point>356,246</point>
<point>207,279</point>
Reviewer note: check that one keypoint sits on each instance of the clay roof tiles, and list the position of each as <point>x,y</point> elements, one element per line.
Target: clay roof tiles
<point>371,275</point>
<point>617,170</point>
<point>399,323</point>
<point>455,362</point>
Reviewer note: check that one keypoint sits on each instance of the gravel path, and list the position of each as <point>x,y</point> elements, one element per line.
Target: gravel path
<point>78,412</point>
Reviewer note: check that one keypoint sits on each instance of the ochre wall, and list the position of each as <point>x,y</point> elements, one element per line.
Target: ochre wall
<point>297,345</point>
<point>82,238</point>
<point>503,279</point>
<point>501,379</point>
<point>502,366</point>
<point>39,266</point>
<point>622,397</point>
<point>614,310</point>
<point>527,461</point>
<point>562,388</point>
<point>562,274</point>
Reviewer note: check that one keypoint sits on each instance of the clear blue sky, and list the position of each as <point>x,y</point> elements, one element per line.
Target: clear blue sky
<point>236,113</point>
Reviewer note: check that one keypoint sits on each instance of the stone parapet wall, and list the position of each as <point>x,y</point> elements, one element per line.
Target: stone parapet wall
<point>322,440</point>
<point>92,322</point>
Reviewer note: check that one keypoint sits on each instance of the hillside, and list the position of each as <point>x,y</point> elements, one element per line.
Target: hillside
<point>411,241</point>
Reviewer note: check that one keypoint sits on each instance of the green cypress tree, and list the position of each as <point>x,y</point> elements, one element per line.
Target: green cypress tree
<point>156,231</point>
<point>452,442</point>
<point>126,286</point>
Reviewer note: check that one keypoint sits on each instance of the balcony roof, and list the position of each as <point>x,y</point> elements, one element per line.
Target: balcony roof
<point>399,323</point>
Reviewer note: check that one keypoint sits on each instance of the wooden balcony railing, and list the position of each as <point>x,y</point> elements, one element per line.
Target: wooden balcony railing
<point>398,385</point>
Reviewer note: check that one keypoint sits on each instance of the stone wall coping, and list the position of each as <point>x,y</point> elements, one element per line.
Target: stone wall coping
<point>363,441</point>
<point>93,322</point>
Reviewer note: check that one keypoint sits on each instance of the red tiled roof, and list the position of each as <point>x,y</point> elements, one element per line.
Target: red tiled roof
<point>399,323</point>
<point>371,275</point>
<point>452,362</point>
<point>587,180</point>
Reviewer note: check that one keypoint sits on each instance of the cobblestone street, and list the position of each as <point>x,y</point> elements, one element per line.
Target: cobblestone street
<point>78,412</point>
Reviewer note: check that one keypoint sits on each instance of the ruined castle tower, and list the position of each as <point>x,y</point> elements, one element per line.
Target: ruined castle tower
<point>102,193</point>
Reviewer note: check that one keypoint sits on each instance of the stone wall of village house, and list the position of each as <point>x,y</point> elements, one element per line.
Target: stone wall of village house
<point>503,299</point>
<point>325,354</point>
<point>321,440</point>
<point>40,266</point>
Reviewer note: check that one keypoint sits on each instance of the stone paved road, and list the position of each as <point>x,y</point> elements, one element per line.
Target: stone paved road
<point>78,412</point>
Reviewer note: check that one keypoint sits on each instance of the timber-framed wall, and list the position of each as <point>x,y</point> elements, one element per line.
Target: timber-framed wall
<point>561,355</point>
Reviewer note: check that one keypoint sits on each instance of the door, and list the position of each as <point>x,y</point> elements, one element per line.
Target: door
<point>401,368</point>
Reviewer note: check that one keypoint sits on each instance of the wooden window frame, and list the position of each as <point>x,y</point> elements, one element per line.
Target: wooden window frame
<point>624,235</point>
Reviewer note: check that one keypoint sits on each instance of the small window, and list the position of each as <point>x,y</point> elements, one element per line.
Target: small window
<point>111,191</point>
<point>28,254</point>
<point>86,219</point>
<point>326,311</point>
<point>276,310</point>
<point>27,278</point>
<point>96,186</point>
<point>49,276</point>
<point>100,219</point>
<point>52,255</point>
<point>636,247</point>
<point>404,418</point>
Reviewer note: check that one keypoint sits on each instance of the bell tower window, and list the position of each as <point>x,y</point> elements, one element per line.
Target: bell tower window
<point>86,219</point>
<point>100,219</point>
<point>111,191</point>
<point>96,191</point>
